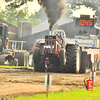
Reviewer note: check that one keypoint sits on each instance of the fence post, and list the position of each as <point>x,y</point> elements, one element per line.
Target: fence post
<point>47,85</point>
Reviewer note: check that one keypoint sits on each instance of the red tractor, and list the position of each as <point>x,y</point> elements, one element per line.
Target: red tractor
<point>54,54</point>
<point>57,53</point>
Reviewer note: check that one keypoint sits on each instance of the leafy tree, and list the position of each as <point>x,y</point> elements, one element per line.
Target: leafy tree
<point>71,5</point>
<point>10,14</point>
<point>33,18</point>
<point>88,3</point>
<point>41,15</point>
<point>74,4</point>
<point>13,15</point>
<point>18,3</point>
<point>1,14</point>
<point>22,14</point>
<point>68,11</point>
<point>94,4</point>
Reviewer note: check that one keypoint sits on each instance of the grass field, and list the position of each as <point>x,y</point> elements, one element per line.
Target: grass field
<point>79,94</point>
<point>3,66</point>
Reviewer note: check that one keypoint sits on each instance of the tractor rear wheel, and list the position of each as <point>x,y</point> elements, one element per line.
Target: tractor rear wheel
<point>16,62</point>
<point>32,62</point>
<point>21,59</point>
<point>36,55</point>
<point>1,48</point>
<point>98,65</point>
<point>38,61</point>
<point>40,66</point>
<point>73,59</point>
<point>20,56</point>
<point>83,62</point>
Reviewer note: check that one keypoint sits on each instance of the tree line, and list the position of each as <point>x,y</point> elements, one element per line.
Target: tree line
<point>12,15</point>
<point>71,5</point>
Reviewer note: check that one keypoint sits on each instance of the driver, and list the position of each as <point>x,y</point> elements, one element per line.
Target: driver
<point>83,32</point>
<point>58,34</point>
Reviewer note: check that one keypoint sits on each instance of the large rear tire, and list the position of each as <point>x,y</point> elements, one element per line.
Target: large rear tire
<point>16,62</point>
<point>39,60</point>
<point>36,55</point>
<point>32,64</point>
<point>83,62</point>
<point>98,65</point>
<point>20,56</point>
<point>40,66</point>
<point>73,59</point>
<point>1,47</point>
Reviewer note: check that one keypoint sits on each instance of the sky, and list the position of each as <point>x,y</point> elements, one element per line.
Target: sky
<point>2,4</point>
<point>85,11</point>
<point>34,6</point>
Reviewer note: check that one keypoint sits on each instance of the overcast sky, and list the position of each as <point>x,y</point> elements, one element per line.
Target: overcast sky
<point>35,6</point>
<point>2,4</point>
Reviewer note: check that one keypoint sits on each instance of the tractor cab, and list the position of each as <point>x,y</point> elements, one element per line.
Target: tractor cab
<point>59,33</point>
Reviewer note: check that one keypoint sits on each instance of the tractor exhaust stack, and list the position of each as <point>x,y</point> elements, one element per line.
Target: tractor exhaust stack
<point>50,33</point>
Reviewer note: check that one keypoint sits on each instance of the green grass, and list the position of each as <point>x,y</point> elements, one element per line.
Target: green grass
<point>79,94</point>
<point>98,71</point>
<point>3,66</point>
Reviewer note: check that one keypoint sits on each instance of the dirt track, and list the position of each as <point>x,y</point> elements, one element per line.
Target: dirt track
<point>18,82</point>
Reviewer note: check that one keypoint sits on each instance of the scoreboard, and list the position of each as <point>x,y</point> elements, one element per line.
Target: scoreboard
<point>85,22</point>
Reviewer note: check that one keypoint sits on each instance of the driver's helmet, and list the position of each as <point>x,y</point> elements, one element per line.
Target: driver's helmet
<point>82,27</point>
<point>58,34</point>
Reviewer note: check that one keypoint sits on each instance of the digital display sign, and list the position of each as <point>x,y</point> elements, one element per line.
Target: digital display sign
<point>85,22</point>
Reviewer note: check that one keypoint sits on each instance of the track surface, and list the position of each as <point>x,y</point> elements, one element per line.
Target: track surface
<point>23,82</point>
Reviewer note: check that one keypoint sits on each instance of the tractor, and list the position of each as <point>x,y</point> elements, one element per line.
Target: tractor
<point>11,52</point>
<point>5,57</point>
<point>56,53</point>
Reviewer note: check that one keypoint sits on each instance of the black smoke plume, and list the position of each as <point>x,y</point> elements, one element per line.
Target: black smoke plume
<point>54,10</point>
